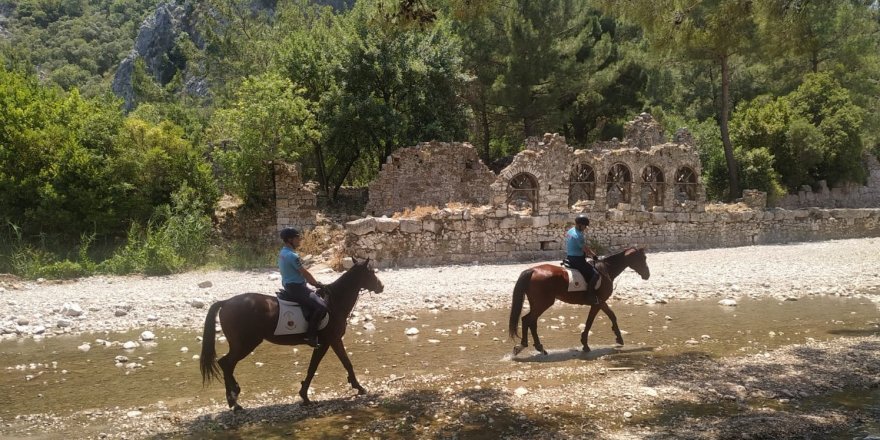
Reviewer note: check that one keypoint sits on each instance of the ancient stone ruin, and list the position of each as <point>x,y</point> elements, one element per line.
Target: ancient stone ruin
<point>548,177</point>
<point>430,174</point>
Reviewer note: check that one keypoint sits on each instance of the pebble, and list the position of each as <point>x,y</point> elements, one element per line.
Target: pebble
<point>197,303</point>
<point>133,414</point>
<point>148,336</point>
<point>84,347</point>
<point>412,331</point>
<point>120,313</point>
<point>205,284</point>
<point>728,302</point>
<point>130,345</point>
<point>521,391</point>
<point>71,309</point>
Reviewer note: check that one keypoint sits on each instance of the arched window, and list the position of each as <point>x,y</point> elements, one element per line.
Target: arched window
<point>618,184</point>
<point>685,184</point>
<point>653,187</point>
<point>583,184</point>
<point>522,192</point>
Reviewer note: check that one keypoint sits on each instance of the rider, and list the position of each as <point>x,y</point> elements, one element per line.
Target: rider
<point>577,250</point>
<point>293,279</point>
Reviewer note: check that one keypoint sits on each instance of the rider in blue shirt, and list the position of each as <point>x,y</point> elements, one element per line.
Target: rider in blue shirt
<point>577,251</point>
<point>294,277</point>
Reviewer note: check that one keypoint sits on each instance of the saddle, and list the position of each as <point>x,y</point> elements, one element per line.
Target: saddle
<point>577,282</point>
<point>291,319</point>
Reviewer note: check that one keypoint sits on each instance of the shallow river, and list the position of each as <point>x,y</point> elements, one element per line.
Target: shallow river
<point>53,376</point>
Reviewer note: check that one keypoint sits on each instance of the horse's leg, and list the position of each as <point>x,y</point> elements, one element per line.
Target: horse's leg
<point>607,309</point>
<point>339,349</point>
<point>533,324</point>
<point>525,335</point>
<point>317,354</point>
<point>585,336</point>
<point>238,350</point>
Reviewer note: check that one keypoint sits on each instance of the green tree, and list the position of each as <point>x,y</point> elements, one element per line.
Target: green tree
<point>268,120</point>
<point>707,31</point>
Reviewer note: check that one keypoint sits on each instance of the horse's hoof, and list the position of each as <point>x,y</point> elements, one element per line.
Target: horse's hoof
<point>619,341</point>
<point>517,349</point>
<point>544,352</point>
<point>237,408</point>
<point>586,349</point>
<point>361,391</point>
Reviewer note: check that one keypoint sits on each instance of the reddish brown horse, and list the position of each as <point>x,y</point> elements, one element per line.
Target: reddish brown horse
<point>546,283</point>
<point>250,318</point>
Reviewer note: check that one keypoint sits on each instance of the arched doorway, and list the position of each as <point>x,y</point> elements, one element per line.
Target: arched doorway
<point>522,193</point>
<point>582,184</point>
<point>653,187</point>
<point>618,184</point>
<point>685,184</point>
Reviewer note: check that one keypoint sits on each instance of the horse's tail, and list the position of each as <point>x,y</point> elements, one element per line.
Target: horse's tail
<point>519,295</point>
<point>208,360</point>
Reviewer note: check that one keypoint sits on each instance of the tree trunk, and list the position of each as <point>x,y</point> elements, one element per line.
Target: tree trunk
<point>725,130</point>
<point>485,139</point>
<point>322,170</point>
<point>344,174</point>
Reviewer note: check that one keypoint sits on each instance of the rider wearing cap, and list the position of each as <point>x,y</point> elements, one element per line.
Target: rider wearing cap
<point>294,277</point>
<point>577,249</point>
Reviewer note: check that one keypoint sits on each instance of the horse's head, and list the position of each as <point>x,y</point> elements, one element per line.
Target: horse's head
<point>366,276</point>
<point>637,261</point>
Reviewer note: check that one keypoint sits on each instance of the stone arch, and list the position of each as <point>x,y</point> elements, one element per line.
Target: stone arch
<point>582,183</point>
<point>522,192</point>
<point>618,185</point>
<point>686,184</point>
<point>653,187</point>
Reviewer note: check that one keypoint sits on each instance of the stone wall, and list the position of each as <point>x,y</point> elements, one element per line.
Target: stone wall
<point>295,203</point>
<point>642,172</point>
<point>430,174</point>
<point>482,235</point>
<point>847,196</point>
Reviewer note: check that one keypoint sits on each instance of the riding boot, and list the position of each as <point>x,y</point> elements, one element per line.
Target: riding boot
<point>312,330</point>
<point>590,294</point>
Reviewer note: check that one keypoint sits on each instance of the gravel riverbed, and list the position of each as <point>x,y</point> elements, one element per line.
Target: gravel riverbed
<point>798,389</point>
<point>109,303</point>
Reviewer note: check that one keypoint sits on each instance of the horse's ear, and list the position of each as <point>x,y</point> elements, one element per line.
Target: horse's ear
<point>354,260</point>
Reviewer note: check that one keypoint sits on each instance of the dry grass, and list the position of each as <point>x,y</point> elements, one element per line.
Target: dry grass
<point>418,213</point>
<point>313,243</point>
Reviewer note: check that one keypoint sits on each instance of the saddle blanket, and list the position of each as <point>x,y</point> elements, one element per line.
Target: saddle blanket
<point>576,281</point>
<point>291,320</point>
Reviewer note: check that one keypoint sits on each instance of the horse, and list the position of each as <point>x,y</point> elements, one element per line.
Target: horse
<point>249,318</point>
<point>546,283</point>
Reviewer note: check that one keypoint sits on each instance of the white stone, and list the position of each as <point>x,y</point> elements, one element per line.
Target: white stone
<point>628,414</point>
<point>197,303</point>
<point>728,302</point>
<point>369,326</point>
<point>84,347</point>
<point>521,391</point>
<point>412,331</point>
<point>71,309</point>
<point>148,336</point>
<point>184,349</point>
<point>64,323</point>
<point>133,414</point>
<point>692,341</point>
<point>130,345</point>
<point>205,284</point>
<point>39,330</point>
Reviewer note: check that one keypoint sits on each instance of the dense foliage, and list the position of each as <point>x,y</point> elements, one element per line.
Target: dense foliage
<point>779,94</point>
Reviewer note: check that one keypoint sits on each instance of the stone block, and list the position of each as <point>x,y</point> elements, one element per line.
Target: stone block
<point>386,224</point>
<point>431,226</point>
<point>410,226</point>
<point>540,221</point>
<point>508,222</point>
<point>362,226</point>
<point>658,218</point>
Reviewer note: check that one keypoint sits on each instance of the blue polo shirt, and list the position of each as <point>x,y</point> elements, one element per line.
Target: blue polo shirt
<point>290,266</point>
<point>574,242</point>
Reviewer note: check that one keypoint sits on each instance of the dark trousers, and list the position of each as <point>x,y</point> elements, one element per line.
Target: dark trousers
<point>587,270</point>
<point>314,307</point>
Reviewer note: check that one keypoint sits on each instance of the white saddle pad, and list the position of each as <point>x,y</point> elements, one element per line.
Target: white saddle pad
<point>576,282</point>
<point>291,320</point>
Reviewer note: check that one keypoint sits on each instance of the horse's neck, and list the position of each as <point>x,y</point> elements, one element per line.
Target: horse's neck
<point>343,294</point>
<point>615,264</point>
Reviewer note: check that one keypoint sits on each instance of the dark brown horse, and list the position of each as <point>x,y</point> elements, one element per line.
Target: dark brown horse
<point>250,318</point>
<point>546,283</point>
